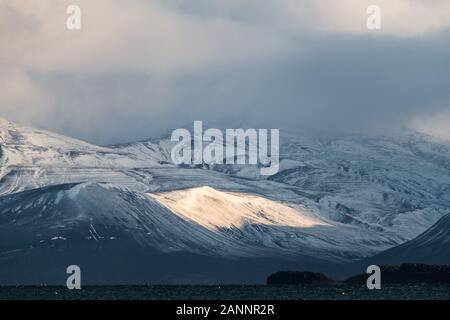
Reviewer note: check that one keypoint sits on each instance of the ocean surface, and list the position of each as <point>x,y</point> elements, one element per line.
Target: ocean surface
<point>335,292</point>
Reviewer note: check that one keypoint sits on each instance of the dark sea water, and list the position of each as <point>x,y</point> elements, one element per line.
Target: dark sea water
<point>336,292</point>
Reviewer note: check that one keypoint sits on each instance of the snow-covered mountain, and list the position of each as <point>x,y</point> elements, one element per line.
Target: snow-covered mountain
<point>33,158</point>
<point>128,211</point>
<point>431,247</point>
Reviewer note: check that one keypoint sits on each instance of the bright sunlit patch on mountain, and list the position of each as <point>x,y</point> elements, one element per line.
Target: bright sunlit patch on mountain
<point>214,209</point>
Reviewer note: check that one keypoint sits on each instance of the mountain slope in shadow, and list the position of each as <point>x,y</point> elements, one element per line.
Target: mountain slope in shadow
<point>431,247</point>
<point>118,236</point>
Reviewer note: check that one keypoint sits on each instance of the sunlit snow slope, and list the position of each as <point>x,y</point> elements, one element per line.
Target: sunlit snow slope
<point>214,209</point>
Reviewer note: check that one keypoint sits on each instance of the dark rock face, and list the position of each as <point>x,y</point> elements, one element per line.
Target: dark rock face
<point>298,278</point>
<point>409,273</point>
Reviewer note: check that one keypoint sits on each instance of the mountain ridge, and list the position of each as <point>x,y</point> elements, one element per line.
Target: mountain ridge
<point>371,193</point>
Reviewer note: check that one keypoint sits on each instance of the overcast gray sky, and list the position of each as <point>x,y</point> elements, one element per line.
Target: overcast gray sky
<point>139,68</point>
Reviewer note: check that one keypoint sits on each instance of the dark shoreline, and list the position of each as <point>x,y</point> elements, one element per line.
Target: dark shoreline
<point>403,274</point>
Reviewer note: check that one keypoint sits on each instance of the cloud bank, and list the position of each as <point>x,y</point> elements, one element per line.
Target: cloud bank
<point>139,68</point>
